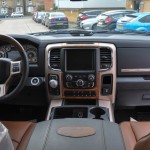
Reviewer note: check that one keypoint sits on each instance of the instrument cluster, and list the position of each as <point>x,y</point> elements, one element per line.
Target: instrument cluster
<point>9,51</point>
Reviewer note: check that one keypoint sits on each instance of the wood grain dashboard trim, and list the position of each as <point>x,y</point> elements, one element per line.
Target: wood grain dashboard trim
<point>136,70</point>
<point>100,73</point>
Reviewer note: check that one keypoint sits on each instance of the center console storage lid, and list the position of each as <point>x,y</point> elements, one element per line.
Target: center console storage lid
<point>105,135</point>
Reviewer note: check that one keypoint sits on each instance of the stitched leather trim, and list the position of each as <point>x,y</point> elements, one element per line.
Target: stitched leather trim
<point>133,131</point>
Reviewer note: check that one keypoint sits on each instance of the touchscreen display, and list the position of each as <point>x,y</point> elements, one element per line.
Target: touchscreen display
<point>79,59</point>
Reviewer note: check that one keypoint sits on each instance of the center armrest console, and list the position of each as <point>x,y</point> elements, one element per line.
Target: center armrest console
<point>76,133</point>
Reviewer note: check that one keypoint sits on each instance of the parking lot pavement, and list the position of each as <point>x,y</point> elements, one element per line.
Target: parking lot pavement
<point>20,26</point>
<point>23,25</point>
<point>72,26</point>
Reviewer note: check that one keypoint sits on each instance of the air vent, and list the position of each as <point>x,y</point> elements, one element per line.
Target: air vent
<point>55,58</point>
<point>105,58</point>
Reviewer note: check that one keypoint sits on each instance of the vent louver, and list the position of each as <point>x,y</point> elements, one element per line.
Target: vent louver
<point>55,58</point>
<point>105,58</point>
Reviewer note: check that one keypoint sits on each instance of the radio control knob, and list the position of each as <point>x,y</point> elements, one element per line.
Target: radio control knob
<point>80,83</point>
<point>53,83</point>
<point>91,77</point>
<point>69,77</point>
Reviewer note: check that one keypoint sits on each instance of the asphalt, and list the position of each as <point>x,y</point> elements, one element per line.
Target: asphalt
<point>24,25</point>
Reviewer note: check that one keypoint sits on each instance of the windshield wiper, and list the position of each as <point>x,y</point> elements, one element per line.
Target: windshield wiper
<point>74,32</point>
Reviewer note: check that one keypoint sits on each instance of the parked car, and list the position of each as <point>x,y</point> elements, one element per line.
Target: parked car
<point>17,14</point>
<point>137,21</point>
<point>34,15</point>
<point>56,20</point>
<point>88,14</point>
<point>38,16</point>
<point>108,20</point>
<point>3,15</point>
<point>89,24</point>
<point>43,18</point>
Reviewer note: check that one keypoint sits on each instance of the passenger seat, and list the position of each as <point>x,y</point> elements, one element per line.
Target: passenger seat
<point>20,132</point>
<point>134,133</point>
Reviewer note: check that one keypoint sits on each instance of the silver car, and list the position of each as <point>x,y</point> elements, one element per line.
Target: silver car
<point>17,14</point>
<point>89,24</point>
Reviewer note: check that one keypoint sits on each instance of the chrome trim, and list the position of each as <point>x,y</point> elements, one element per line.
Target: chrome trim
<point>49,56</point>
<point>136,70</point>
<point>35,84</point>
<point>111,61</point>
<point>2,90</point>
<point>107,104</point>
<point>112,70</point>
<point>54,103</point>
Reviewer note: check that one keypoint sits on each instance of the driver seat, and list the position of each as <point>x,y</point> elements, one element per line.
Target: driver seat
<point>20,132</point>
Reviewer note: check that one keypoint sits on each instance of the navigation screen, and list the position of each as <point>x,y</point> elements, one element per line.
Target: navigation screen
<point>79,59</point>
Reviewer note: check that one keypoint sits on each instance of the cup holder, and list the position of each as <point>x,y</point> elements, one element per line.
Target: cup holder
<point>80,112</point>
<point>70,112</point>
<point>97,112</point>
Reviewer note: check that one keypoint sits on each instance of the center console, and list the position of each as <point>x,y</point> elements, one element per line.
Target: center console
<point>79,68</point>
<point>73,134</point>
<point>80,72</point>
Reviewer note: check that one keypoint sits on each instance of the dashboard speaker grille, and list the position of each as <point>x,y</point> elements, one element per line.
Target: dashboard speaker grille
<point>55,58</point>
<point>105,58</point>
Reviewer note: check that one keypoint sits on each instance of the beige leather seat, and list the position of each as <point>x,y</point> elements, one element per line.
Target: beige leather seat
<point>20,132</point>
<point>133,132</point>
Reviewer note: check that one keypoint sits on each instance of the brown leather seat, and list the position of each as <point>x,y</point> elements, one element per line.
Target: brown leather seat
<point>143,144</point>
<point>134,131</point>
<point>20,132</point>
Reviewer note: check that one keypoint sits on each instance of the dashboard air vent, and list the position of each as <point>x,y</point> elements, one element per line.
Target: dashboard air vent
<point>55,58</point>
<point>105,58</point>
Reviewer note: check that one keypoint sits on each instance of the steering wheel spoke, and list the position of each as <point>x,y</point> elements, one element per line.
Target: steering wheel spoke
<point>15,67</point>
<point>2,90</point>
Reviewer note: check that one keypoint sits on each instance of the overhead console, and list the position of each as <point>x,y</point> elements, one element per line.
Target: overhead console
<point>80,71</point>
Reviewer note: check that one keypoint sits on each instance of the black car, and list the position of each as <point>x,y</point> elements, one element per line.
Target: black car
<point>88,14</point>
<point>108,20</point>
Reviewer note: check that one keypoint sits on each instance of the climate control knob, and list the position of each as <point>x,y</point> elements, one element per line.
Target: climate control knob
<point>69,77</point>
<point>80,83</point>
<point>91,77</point>
<point>53,83</point>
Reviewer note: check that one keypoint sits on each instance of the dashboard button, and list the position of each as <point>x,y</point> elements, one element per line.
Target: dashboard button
<point>91,77</point>
<point>80,83</point>
<point>35,81</point>
<point>69,77</point>
<point>53,83</point>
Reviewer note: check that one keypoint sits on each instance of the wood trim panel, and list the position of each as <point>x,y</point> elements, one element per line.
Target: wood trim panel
<point>96,89</point>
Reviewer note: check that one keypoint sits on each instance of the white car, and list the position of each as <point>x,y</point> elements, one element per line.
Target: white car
<point>17,14</point>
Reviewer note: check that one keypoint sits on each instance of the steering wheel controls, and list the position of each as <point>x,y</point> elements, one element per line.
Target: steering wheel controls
<point>16,67</point>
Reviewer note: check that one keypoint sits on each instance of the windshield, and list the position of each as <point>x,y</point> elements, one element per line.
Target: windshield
<point>31,16</point>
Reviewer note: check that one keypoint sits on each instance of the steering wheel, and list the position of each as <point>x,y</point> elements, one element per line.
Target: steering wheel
<point>9,68</point>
